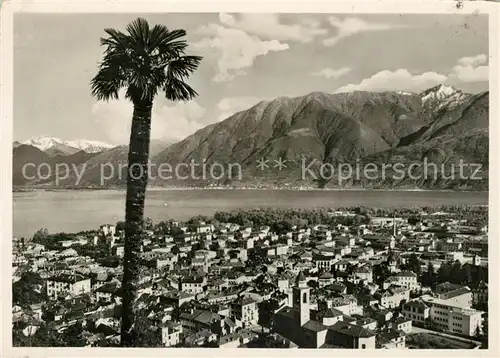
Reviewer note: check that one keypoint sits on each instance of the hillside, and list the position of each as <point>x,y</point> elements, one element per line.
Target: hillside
<point>339,128</point>
<point>442,125</point>
<point>110,163</point>
<point>30,156</point>
<point>60,150</point>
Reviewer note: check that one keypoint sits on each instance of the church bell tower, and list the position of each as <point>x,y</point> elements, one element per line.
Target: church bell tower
<point>301,298</point>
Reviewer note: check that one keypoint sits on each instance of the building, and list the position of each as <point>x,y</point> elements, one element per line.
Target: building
<point>108,230</point>
<point>417,311</point>
<point>177,298</point>
<point>385,221</point>
<point>452,318</point>
<point>170,334</point>
<point>120,250</point>
<point>347,335</point>
<point>457,295</point>
<point>392,297</point>
<point>442,315</point>
<point>192,285</point>
<point>323,262</point>
<point>391,339</point>
<point>203,320</point>
<point>380,241</point>
<point>245,310</point>
<point>450,245</point>
<point>455,256</point>
<point>235,340</point>
<point>67,284</point>
<point>477,245</point>
<point>348,304</point>
<point>325,279</point>
<point>364,273</point>
<point>366,322</point>
<point>405,279</point>
<point>341,265</point>
<point>295,324</point>
<point>401,324</point>
<point>107,292</point>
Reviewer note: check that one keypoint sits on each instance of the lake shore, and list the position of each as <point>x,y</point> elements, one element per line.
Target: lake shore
<point>80,210</point>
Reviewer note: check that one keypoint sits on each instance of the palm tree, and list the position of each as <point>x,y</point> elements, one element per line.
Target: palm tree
<point>144,61</point>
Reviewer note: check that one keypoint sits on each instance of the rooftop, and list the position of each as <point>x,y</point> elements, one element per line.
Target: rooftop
<point>458,309</point>
<point>314,326</point>
<point>243,301</point>
<point>68,278</point>
<point>351,330</point>
<point>300,278</point>
<point>386,336</point>
<point>455,293</point>
<point>401,320</point>
<point>447,287</point>
<point>406,274</point>
<point>332,312</point>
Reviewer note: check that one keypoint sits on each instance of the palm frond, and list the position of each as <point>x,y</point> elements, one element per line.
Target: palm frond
<point>107,83</point>
<point>139,32</point>
<point>178,90</point>
<point>156,36</point>
<point>167,42</point>
<point>144,60</point>
<point>183,66</point>
<point>116,39</point>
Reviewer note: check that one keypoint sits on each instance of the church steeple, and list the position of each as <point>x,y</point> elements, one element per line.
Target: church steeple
<point>300,280</point>
<point>301,298</point>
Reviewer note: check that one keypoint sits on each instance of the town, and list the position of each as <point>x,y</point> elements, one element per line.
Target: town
<point>346,278</point>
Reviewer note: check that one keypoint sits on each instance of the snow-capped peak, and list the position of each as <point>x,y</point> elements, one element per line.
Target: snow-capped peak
<point>447,95</point>
<point>90,146</point>
<point>405,93</point>
<point>439,92</point>
<point>444,90</point>
<point>43,143</point>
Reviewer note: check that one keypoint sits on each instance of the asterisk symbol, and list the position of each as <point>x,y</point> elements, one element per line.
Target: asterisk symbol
<point>280,163</point>
<point>262,164</point>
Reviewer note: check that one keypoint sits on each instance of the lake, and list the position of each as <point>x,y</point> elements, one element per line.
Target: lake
<point>72,211</point>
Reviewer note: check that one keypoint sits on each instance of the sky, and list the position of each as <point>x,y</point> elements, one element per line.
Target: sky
<point>246,58</point>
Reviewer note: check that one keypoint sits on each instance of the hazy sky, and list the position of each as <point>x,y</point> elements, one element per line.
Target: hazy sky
<point>247,58</point>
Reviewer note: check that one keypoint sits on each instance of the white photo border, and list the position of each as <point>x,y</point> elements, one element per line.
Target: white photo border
<point>9,8</point>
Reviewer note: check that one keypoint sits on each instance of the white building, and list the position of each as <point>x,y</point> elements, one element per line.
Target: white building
<point>120,251</point>
<point>65,284</point>
<point>402,324</point>
<point>170,334</point>
<point>347,304</point>
<point>245,310</point>
<point>193,285</point>
<point>451,318</point>
<point>417,311</point>
<point>108,229</point>
<point>456,295</point>
<point>393,296</point>
<point>405,279</point>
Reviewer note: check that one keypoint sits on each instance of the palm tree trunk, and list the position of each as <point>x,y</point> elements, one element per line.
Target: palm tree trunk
<point>137,179</point>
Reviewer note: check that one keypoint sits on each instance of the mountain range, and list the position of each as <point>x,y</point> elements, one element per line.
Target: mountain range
<point>55,146</point>
<point>442,124</point>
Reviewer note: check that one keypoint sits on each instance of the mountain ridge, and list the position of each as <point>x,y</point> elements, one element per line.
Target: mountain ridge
<point>58,146</point>
<point>332,128</point>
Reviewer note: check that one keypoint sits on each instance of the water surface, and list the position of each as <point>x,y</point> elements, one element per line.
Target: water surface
<point>77,210</point>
